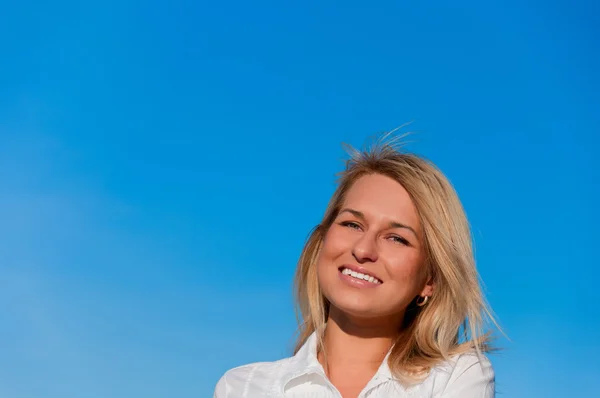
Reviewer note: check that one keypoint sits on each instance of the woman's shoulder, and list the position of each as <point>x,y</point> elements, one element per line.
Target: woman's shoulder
<point>465,360</point>
<point>463,373</point>
<point>253,378</point>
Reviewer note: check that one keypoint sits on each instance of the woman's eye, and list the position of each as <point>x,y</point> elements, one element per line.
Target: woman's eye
<point>350,224</point>
<point>399,239</point>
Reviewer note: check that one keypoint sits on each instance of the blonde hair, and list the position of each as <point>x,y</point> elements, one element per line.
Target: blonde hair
<point>452,321</point>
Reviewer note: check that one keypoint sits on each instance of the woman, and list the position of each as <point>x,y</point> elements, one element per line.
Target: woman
<point>388,293</point>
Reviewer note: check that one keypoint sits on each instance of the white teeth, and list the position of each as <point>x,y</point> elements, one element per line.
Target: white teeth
<point>358,275</point>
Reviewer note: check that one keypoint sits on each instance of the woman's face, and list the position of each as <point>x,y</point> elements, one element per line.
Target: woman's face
<point>371,260</point>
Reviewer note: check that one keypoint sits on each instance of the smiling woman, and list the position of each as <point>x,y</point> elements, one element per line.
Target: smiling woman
<point>388,293</point>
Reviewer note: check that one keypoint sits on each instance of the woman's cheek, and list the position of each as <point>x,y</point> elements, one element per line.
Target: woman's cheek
<point>405,268</point>
<point>334,243</point>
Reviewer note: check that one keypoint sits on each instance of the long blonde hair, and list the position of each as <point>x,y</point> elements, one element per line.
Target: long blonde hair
<point>453,320</point>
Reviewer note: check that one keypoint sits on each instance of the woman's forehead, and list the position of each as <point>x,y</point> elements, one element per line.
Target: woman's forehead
<point>379,196</point>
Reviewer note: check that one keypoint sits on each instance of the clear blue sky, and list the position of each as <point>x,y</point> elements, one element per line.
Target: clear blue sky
<point>161,164</point>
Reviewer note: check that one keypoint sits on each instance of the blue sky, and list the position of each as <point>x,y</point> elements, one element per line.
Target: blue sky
<point>161,164</point>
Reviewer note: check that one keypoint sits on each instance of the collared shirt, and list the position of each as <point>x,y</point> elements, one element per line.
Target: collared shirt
<point>463,376</point>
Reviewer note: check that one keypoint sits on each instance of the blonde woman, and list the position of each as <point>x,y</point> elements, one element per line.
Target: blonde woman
<point>388,293</point>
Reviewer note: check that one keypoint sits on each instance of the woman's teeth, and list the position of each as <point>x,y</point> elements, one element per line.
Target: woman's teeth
<point>358,275</point>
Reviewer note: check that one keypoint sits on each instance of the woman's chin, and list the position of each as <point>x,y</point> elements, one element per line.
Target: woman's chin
<point>356,308</point>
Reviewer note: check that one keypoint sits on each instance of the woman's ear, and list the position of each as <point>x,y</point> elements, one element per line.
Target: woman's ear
<point>428,288</point>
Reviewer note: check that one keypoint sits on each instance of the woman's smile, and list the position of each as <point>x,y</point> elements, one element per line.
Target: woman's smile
<point>359,277</point>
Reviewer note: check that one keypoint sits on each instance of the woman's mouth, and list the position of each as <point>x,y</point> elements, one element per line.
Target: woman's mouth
<point>358,277</point>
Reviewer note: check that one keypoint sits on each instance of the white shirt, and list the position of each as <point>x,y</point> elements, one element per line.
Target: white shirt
<point>463,376</point>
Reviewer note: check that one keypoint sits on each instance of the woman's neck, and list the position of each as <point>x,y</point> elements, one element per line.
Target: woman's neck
<point>356,345</point>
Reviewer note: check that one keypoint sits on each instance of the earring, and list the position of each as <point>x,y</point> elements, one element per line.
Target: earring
<point>422,300</point>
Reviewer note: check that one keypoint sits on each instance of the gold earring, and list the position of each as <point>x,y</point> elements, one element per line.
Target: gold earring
<point>422,300</point>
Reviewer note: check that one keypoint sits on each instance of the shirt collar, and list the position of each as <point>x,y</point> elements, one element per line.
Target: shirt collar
<point>305,361</point>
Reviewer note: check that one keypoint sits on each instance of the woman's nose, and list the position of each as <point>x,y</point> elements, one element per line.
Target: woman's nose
<point>365,249</point>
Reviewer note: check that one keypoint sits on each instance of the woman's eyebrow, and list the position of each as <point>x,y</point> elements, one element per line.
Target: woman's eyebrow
<point>356,213</point>
<point>393,224</point>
